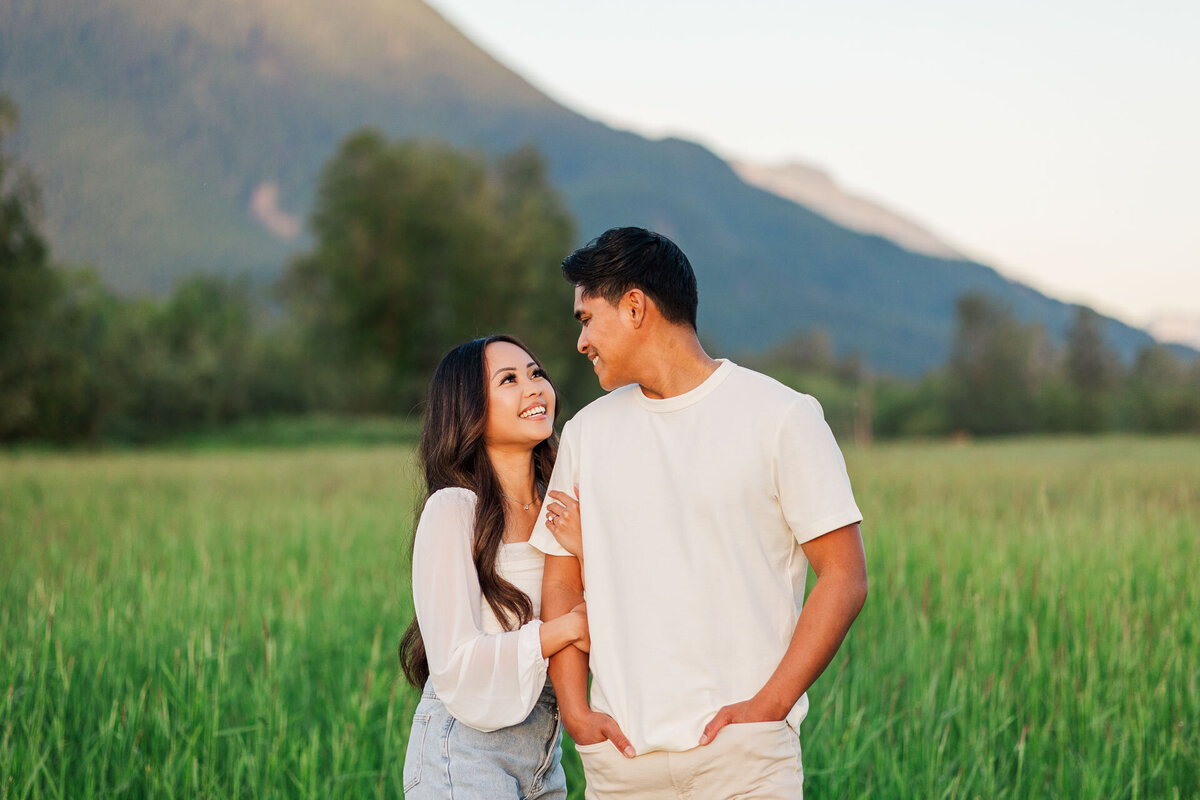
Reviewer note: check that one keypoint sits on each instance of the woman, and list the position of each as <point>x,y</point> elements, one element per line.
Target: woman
<point>487,723</point>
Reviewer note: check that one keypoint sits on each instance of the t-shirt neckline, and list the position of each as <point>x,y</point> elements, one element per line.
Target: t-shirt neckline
<point>690,397</point>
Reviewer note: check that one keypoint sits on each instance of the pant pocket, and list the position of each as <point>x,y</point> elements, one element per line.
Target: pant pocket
<point>604,770</point>
<point>756,727</point>
<point>414,755</point>
<point>754,760</point>
<point>599,747</point>
<point>766,741</point>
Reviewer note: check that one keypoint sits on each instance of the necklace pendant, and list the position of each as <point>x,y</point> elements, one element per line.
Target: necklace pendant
<point>515,501</point>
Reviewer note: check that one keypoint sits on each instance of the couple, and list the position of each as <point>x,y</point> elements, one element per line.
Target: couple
<point>689,501</point>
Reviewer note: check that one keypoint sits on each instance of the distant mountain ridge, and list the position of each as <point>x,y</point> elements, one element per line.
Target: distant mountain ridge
<point>1176,328</point>
<point>173,136</point>
<point>814,188</point>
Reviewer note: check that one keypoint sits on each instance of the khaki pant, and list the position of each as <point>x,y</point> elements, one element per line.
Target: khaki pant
<point>754,761</point>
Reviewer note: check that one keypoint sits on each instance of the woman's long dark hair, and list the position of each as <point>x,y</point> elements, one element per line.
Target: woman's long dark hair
<point>452,453</point>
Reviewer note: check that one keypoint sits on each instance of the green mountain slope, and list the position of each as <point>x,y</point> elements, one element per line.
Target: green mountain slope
<point>155,125</point>
<point>152,123</point>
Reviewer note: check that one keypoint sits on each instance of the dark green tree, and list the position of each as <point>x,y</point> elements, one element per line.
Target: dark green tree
<point>1161,394</point>
<point>995,369</point>
<point>1092,370</point>
<point>419,247</point>
<point>194,366</point>
<point>29,288</point>
<point>21,244</point>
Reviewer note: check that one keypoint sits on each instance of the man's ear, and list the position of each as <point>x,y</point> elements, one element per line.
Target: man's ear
<point>634,306</point>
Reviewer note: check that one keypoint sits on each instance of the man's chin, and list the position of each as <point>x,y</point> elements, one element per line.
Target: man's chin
<point>606,381</point>
<point>607,384</point>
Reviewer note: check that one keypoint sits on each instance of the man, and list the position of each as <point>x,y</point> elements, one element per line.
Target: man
<point>705,491</point>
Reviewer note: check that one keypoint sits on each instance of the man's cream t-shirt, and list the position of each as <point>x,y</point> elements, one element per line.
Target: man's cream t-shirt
<point>693,511</point>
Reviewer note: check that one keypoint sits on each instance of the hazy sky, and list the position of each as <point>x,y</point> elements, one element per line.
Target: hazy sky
<point>1056,141</point>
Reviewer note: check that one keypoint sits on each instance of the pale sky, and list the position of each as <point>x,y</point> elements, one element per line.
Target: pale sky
<point>1058,141</point>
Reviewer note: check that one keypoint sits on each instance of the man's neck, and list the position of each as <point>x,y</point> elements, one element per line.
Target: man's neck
<point>675,366</point>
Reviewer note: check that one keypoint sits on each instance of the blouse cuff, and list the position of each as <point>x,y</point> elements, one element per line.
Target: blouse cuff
<point>529,655</point>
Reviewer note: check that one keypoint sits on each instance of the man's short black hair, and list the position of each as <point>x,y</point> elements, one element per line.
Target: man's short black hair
<point>621,259</point>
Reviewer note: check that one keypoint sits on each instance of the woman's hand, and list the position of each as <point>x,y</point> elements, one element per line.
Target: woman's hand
<point>569,629</point>
<point>562,519</point>
<point>583,639</point>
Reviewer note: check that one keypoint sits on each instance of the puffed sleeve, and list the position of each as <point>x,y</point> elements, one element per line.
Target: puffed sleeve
<point>487,681</point>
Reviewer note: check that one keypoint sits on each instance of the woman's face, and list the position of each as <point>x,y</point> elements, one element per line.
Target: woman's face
<point>520,398</point>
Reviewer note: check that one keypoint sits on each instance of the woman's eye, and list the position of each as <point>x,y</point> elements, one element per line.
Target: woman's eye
<point>508,378</point>
<point>539,373</point>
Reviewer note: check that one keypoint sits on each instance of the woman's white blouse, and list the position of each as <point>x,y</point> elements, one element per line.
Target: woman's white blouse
<point>488,678</point>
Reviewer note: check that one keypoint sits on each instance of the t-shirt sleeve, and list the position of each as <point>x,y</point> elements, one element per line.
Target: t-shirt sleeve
<point>487,681</point>
<point>810,474</point>
<point>564,479</point>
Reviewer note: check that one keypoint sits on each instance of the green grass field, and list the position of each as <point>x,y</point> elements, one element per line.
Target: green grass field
<point>223,623</point>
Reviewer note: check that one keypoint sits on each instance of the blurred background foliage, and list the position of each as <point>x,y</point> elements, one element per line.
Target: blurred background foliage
<point>419,247</point>
<point>416,247</point>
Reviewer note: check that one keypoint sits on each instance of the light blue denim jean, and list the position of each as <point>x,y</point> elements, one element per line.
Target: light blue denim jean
<point>448,760</point>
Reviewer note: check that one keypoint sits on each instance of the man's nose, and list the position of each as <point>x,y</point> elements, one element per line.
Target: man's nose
<point>582,343</point>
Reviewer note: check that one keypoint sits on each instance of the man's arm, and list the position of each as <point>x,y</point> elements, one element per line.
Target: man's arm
<point>562,590</point>
<point>838,595</point>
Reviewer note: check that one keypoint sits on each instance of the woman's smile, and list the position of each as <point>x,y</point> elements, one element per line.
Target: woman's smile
<point>535,411</point>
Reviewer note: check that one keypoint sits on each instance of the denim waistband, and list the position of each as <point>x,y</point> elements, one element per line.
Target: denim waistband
<point>545,698</point>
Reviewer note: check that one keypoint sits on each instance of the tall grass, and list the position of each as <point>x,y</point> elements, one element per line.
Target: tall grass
<point>1032,626</point>
<point>223,624</point>
<point>209,625</point>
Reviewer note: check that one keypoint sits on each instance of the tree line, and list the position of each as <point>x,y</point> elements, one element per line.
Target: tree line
<point>417,247</point>
<point>1003,377</point>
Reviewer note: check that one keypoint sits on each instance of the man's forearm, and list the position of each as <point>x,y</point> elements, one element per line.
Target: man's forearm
<point>831,608</point>
<point>562,590</point>
<point>569,674</point>
<point>828,612</point>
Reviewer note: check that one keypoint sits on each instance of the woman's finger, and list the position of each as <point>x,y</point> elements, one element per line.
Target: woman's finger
<point>556,509</point>
<point>565,499</point>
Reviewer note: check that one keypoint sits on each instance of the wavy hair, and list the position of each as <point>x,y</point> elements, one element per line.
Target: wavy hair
<point>452,454</point>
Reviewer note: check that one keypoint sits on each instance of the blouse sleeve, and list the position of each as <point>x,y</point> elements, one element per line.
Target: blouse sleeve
<point>487,681</point>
